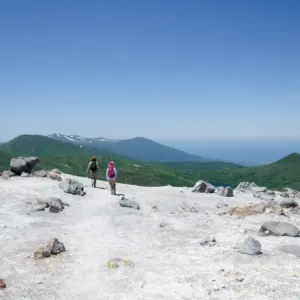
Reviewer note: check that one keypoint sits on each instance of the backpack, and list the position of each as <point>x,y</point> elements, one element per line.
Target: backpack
<point>111,172</point>
<point>93,166</point>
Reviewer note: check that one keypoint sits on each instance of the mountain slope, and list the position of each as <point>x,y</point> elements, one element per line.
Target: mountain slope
<point>277,175</point>
<point>137,148</point>
<point>38,145</point>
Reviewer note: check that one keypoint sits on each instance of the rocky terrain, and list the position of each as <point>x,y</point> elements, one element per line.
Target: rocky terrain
<point>63,239</point>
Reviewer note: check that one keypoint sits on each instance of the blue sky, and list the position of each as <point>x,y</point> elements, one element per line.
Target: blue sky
<point>161,69</point>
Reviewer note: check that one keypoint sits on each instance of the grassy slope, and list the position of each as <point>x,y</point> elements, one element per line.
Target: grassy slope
<point>202,166</point>
<point>73,159</point>
<point>280,174</point>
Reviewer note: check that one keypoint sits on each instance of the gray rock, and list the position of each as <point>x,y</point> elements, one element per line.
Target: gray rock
<point>224,191</point>
<point>23,164</point>
<point>163,224</point>
<point>128,203</point>
<point>55,246</point>
<point>203,187</point>
<point>257,189</point>
<point>41,173</point>
<point>55,204</point>
<point>56,171</point>
<point>221,205</point>
<point>53,209</point>
<point>8,174</point>
<point>72,186</point>
<point>54,176</point>
<point>40,207</point>
<point>291,249</point>
<point>210,241</point>
<point>263,196</point>
<point>245,187</point>
<point>288,203</point>
<point>279,229</point>
<point>250,246</point>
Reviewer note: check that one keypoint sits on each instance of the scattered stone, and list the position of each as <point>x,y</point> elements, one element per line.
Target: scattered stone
<point>224,191</point>
<point>117,262</point>
<point>290,193</point>
<point>222,213</point>
<point>23,164</point>
<point>249,210</point>
<point>7,174</point>
<point>72,186</point>
<point>55,204</point>
<point>41,252</point>
<point>258,189</point>
<point>264,196</point>
<point>54,176</point>
<point>279,229</point>
<point>154,208</point>
<point>245,187</point>
<point>128,203</point>
<point>210,241</point>
<point>40,207</point>
<point>239,279</point>
<point>2,284</point>
<point>221,205</point>
<point>291,249</point>
<point>163,224</point>
<point>55,246</point>
<point>203,187</point>
<point>41,173</point>
<point>288,203</point>
<point>56,171</point>
<point>250,246</point>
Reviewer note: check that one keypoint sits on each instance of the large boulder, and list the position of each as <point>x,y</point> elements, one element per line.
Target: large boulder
<point>54,176</point>
<point>224,191</point>
<point>54,204</point>
<point>203,187</point>
<point>23,164</point>
<point>291,249</point>
<point>72,186</point>
<point>279,229</point>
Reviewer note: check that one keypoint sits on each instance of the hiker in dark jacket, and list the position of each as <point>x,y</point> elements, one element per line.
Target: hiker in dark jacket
<point>92,169</point>
<point>111,176</point>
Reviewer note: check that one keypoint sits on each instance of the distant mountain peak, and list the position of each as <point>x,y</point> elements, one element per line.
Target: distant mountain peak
<point>139,148</point>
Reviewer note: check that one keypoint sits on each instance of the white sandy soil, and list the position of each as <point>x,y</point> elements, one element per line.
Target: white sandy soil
<point>169,261</point>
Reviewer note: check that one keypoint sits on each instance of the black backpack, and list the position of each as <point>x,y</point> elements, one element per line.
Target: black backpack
<point>93,166</point>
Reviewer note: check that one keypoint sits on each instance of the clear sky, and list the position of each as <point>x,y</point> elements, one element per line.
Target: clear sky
<point>160,68</point>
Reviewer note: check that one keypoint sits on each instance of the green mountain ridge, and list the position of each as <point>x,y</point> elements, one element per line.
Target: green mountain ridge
<point>73,159</point>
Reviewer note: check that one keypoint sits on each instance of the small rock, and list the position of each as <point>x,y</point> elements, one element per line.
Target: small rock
<point>239,279</point>
<point>54,209</point>
<point>40,207</point>
<point>250,246</point>
<point>224,191</point>
<point>54,176</point>
<point>41,252</point>
<point>211,241</point>
<point>163,224</point>
<point>41,173</point>
<point>117,262</point>
<point>128,203</point>
<point>56,171</point>
<point>55,246</point>
<point>222,213</point>
<point>72,186</point>
<point>2,284</point>
<point>288,203</point>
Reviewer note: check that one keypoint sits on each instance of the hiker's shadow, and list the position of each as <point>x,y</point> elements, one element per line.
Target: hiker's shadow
<point>101,188</point>
<point>119,194</point>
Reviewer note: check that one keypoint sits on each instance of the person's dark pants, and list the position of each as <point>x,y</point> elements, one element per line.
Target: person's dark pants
<point>94,178</point>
